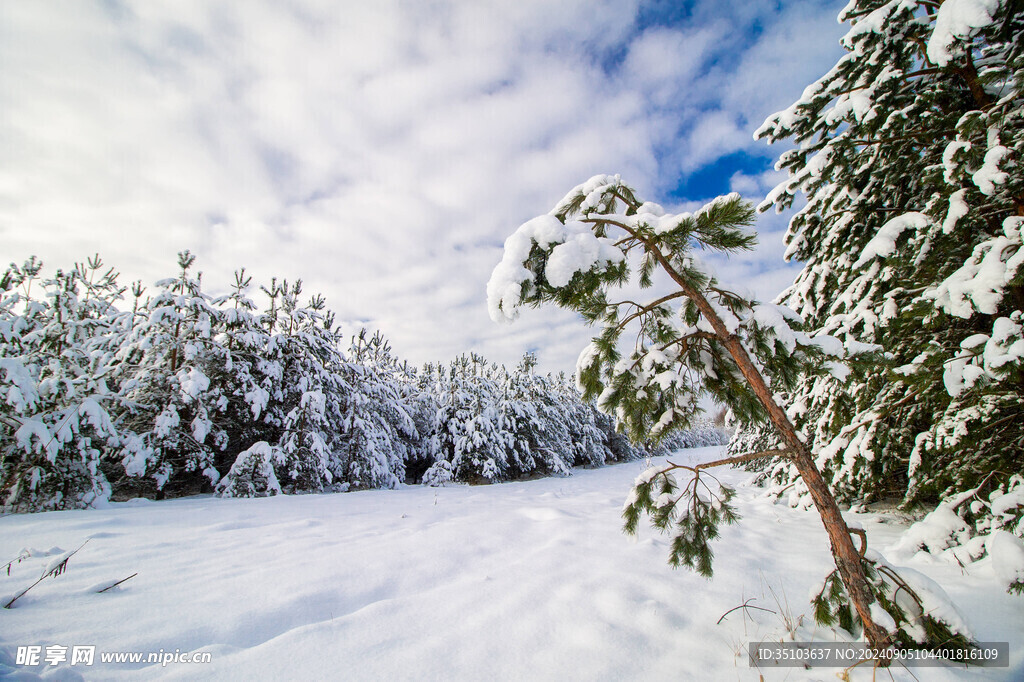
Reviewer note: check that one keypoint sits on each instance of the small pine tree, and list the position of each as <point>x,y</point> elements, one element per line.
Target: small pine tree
<point>56,351</point>
<point>302,370</point>
<point>471,429</point>
<point>540,438</point>
<point>377,424</point>
<point>252,474</point>
<point>164,370</point>
<point>741,352</point>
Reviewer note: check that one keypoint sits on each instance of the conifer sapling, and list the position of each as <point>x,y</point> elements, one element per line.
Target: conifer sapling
<point>593,253</point>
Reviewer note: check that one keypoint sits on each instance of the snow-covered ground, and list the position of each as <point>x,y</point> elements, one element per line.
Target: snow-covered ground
<point>531,580</point>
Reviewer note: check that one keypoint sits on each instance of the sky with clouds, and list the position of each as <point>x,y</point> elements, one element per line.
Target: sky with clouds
<point>382,151</point>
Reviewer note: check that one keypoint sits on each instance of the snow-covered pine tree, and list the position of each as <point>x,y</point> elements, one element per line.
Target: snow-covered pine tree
<point>620,448</point>
<point>540,441</point>
<point>418,424</point>
<point>589,442</point>
<point>703,433</point>
<point>910,155</point>
<point>244,376</point>
<point>253,474</point>
<point>379,430</point>
<point>696,338</point>
<point>426,462</point>
<point>169,424</point>
<point>471,429</point>
<point>56,345</point>
<point>301,371</point>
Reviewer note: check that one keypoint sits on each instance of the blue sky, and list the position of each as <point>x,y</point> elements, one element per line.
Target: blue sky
<point>383,151</point>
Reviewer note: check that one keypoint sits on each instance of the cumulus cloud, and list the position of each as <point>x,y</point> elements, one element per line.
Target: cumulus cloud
<point>379,151</point>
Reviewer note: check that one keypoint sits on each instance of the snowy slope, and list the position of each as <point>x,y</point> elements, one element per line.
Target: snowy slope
<point>530,580</point>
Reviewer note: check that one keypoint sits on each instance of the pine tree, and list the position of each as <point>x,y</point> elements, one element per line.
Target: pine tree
<point>302,374</point>
<point>581,255</point>
<point>426,462</point>
<point>253,473</point>
<point>379,431</point>
<point>472,435</point>
<point>588,440</point>
<point>540,438</point>
<point>56,353</point>
<point>910,153</point>
<point>244,376</point>
<point>164,371</point>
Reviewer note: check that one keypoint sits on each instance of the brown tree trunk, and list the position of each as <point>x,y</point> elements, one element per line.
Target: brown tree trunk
<point>845,554</point>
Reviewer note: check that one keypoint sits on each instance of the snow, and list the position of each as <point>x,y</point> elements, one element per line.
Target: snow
<point>651,208</point>
<point>1007,552</point>
<point>715,203</point>
<point>958,208</point>
<point>591,190</point>
<point>252,474</point>
<point>35,429</point>
<point>578,253</point>
<point>884,241</point>
<point>981,282</point>
<point>1005,346</point>
<point>529,580</point>
<point>937,531</point>
<point>575,249</point>
<point>873,22</point>
<point>1002,504</point>
<point>506,282</point>
<point>989,175</point>
<point>882,617</point>
<point>55,563</point>
<point>958,20</point>
<point>936,602</point>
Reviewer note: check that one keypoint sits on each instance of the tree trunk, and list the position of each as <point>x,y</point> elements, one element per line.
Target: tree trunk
<point>847,559</point>
<point>845,554</point>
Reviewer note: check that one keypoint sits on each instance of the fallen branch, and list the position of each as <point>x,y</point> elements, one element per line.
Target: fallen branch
<point>744,605</point>
<point>110,587</point>
<point>16,560</point>
<point>53,571</point>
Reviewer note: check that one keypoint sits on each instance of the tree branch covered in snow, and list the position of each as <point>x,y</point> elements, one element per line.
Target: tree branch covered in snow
<point>599,244</point>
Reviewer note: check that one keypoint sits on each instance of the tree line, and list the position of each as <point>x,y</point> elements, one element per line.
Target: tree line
<point>113,392</point>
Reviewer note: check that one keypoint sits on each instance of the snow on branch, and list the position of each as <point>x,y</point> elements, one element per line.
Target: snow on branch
<point>597,247</point>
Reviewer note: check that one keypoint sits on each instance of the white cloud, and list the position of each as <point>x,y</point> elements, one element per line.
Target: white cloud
<point>661,61</point>
<point>379,151</point>
<point>758,185</point>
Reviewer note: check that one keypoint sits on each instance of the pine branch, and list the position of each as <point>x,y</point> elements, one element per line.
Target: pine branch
<point>859,532</point>
<point>739,459</point>
<point>12,422</point>
<point>647,309</point>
